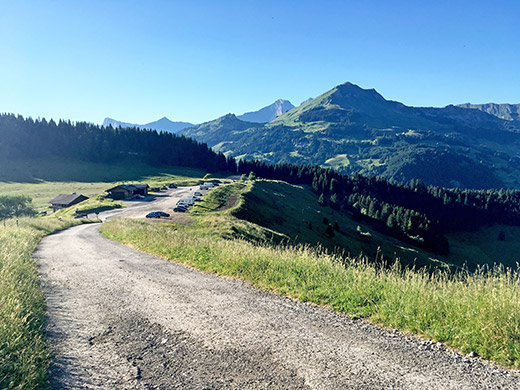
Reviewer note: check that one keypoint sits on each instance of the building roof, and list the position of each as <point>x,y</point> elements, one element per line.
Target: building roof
<point>129,187</point>
<point>67,198</point>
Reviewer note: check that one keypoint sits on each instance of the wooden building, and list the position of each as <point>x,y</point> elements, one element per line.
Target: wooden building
<point>126,191</point>
<point>66,200</point>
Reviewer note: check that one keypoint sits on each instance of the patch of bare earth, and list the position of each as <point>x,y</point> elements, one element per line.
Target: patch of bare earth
<point>230,202</point>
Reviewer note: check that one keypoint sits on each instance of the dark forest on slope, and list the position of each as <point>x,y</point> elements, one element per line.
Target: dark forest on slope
<point>27,138</point>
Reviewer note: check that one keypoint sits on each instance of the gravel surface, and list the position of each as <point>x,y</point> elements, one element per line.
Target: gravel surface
<point>163,201</point>
<point>122,319</point>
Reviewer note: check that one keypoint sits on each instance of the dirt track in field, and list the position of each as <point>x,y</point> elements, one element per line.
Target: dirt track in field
<point>122,319</point>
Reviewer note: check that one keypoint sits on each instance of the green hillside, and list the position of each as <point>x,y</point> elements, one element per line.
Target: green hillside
<point>294,212</point>
<point>356,130</point>
<point>283,213</point>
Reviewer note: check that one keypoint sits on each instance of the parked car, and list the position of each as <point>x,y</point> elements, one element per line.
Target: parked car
<point>186,200</point>
<point>180,209</point>
<point>172,185</point>
<point>138,196</point>
<point>164,188</point>
<point>157,214</point>
<point>197,193</point>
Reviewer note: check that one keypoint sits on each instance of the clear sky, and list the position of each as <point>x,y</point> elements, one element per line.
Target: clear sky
<point>137,61</point>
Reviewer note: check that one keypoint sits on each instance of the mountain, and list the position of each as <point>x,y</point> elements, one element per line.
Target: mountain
<point>163,124</point>
<point>264,115</point>
<point>216,131</point>
<point>509,112</point>
<point>269,113</point>
<point>352,129</point>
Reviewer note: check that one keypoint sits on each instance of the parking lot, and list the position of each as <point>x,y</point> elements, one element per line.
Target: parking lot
<point>164,201</point>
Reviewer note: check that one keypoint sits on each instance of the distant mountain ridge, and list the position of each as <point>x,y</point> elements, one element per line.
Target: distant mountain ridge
<point>509,112</point>
<point>352,129</point>
<point>163,124</point>
<point>264,115</point>
<point>268,113</point>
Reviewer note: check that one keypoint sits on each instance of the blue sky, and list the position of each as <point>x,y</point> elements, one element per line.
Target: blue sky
<point>194,61</point>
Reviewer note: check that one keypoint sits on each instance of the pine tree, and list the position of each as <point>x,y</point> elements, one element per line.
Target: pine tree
<point>321,200</point>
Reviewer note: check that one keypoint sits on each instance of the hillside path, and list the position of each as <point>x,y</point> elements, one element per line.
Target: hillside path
<point>122,319</point>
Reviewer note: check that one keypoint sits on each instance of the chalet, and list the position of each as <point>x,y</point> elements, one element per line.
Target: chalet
<point>126,191</point>
<point>66,200</point>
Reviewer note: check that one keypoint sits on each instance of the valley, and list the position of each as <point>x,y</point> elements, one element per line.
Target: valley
<point>439,263</point>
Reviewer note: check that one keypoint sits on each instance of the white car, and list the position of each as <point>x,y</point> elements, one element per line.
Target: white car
<point>197,193</point>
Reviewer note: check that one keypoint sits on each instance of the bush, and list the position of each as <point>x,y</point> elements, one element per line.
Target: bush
<point>15,206</point>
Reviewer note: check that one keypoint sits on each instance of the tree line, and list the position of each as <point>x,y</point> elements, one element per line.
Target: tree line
<point>27,138</point>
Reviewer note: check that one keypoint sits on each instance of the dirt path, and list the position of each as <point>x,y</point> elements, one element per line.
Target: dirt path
<point>121,319</point>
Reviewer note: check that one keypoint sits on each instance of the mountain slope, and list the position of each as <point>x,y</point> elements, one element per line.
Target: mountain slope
<point>268,113</point>
<point>508,112</point>
<point>163,124</point>
<point>352,129</point>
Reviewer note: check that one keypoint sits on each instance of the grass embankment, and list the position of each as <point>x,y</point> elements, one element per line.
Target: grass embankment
<point>92,205</point>
<point>24,357</point>
<point>479,313</point>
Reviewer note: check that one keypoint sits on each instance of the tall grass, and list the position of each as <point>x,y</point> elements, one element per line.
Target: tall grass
<point>479,313</point>
<point>24,357</point>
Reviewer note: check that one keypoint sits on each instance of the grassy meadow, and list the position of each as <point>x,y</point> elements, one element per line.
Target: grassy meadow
<point>43,180</point>
<point>294,212</point>
<point>24,356</point>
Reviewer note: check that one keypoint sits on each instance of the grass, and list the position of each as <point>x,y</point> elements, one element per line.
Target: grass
<point>42,180</point>
<point>96,204</point>
<point>483,247</point>
<point>24,357</point>
<point>479,313</point>
<point>71,170</point>
<point>224,196</point>
<point>294,212</point>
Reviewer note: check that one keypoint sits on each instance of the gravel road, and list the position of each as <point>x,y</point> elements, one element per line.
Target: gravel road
<point>121,319</point>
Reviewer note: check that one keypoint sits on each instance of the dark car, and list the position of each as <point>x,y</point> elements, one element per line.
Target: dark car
<point>180,209</point>
<point>157,214</point>
<point>172,186</point>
